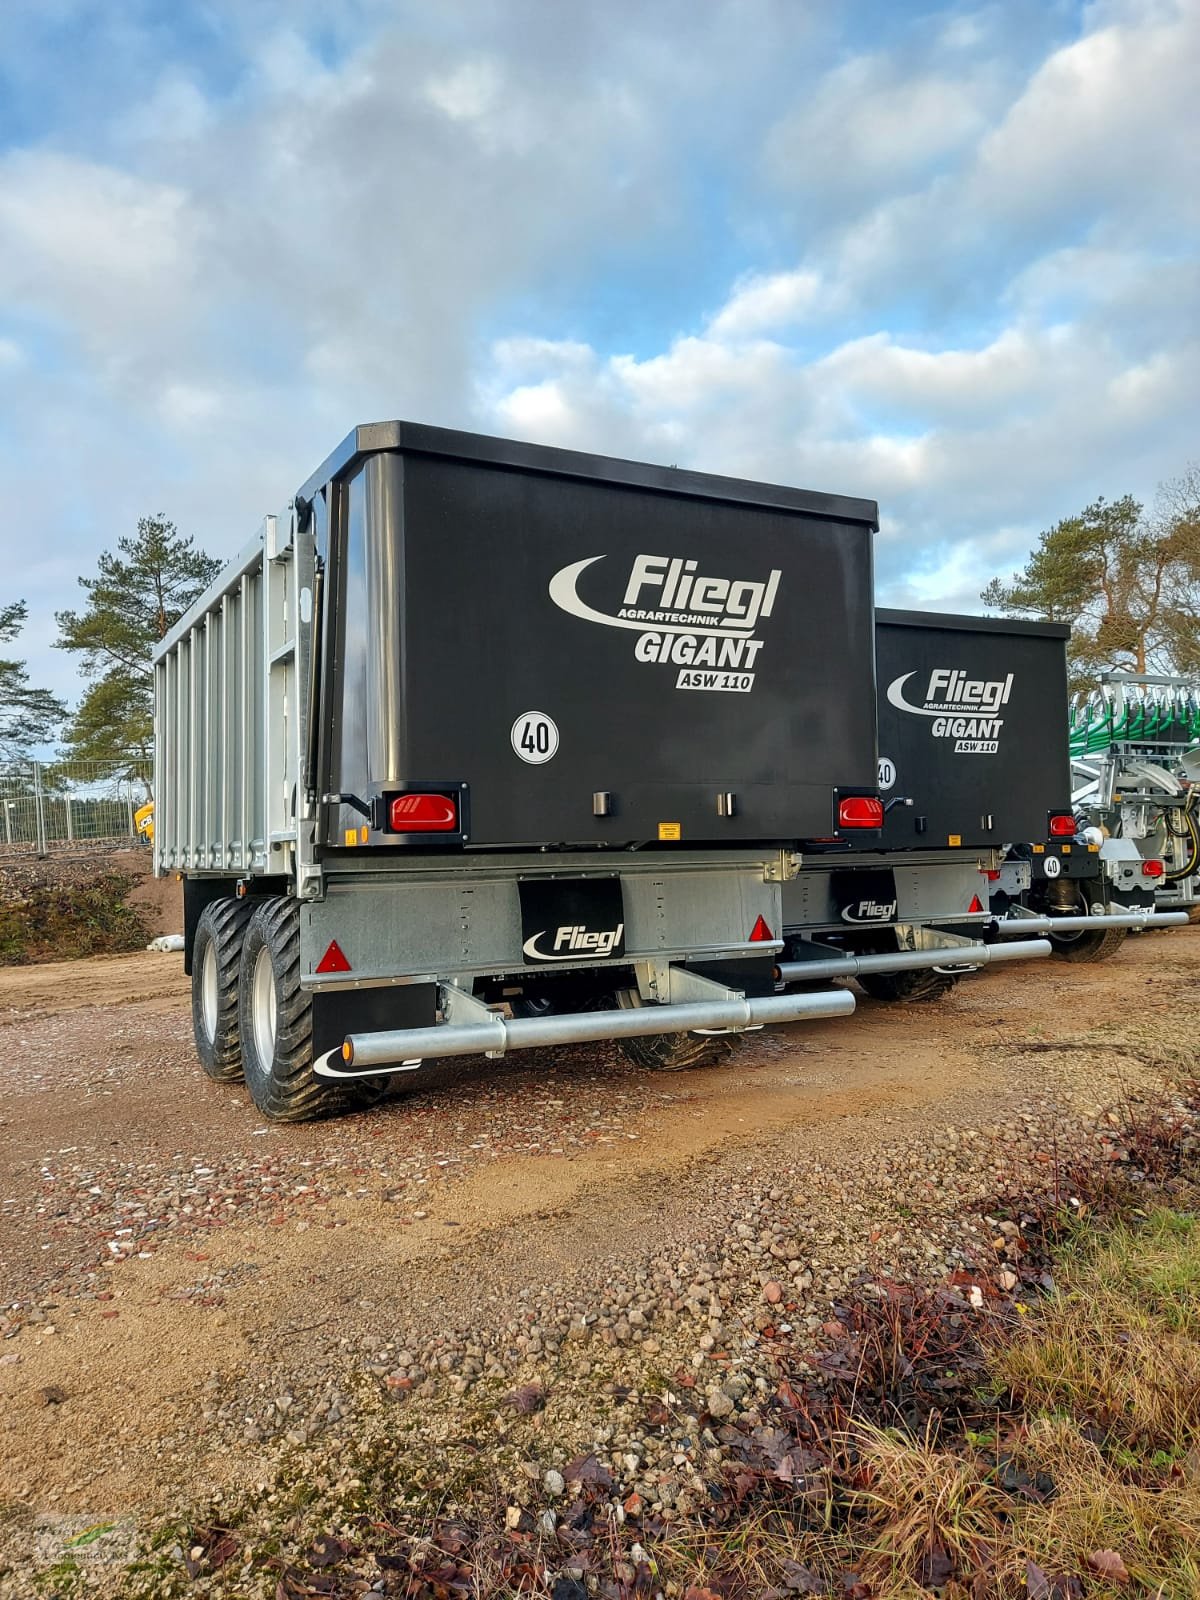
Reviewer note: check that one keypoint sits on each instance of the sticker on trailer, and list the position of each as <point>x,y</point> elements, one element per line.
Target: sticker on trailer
<point>711,626</point>
<point>964,709</point>
<point>887,772</point>
<point>534,737</point>
<point>1052,866</point>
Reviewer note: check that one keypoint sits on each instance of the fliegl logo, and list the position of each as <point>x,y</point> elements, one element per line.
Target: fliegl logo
<point>572,941</point>
<point>963,708</point>
<point>704,625</point>
<point>870,911</point>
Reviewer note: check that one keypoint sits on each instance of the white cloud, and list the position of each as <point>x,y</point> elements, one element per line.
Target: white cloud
<point>107,256</point>
<point>468,92</point>
<point>762,303</point>
<point>1098,148</point>
<point>874,123</point>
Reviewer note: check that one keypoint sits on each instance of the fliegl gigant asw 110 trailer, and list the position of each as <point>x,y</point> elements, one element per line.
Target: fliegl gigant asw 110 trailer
<point>971,755</point>
<point>481,746</point>
<point>980,836</point>
<point>979,840</point>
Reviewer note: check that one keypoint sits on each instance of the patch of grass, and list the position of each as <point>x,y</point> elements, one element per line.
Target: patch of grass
<point>70,921</point>
<point>1097,1447</point>
<point>1149,1516</point>
<point>1117,1345</point>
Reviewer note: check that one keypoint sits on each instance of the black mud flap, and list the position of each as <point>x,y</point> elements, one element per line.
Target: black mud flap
<point>571,919</point>
<point>337,1012</point>
<point>865,897</point>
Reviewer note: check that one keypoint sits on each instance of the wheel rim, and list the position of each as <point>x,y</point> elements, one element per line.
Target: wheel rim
<point>263,1002</point>
<point>208,991</point>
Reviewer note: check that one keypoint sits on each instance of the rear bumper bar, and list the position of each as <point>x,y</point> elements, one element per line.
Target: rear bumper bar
<point>1017,927</point>
<point>484,1032</point>
<point>948,956</point>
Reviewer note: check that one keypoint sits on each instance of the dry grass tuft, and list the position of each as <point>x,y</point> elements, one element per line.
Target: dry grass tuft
<point>1098,1504</point>
<point>920,1500</point>
<point>1118,1345</point>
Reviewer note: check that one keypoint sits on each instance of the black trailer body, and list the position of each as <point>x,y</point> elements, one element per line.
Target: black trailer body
<point>584,651</point>
<point>972,756</point>
<point>972,729</point>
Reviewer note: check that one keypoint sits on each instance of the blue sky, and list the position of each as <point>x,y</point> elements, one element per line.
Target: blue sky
<point>943,257</point>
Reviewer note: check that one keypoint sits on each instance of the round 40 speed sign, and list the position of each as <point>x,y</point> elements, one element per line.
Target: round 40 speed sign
<point>534,737</point>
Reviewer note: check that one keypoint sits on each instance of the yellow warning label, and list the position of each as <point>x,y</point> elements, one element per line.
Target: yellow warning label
<point>954,839</point>
<point>1039,849</point>
<point>362,834</point>
<point>1066,849</point>
<point>1094,849</point>
<point>670,830</point>
<point>351,835</point>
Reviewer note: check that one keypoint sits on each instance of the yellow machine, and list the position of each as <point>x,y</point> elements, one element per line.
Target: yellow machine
<point>143,821</point>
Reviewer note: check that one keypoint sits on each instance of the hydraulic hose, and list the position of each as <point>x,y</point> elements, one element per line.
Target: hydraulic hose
<point>1189,832</point>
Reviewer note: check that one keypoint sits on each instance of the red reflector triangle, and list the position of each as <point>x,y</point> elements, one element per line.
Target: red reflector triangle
<point>334,959</point>
<point>760,933</point>
<point>976,903</point>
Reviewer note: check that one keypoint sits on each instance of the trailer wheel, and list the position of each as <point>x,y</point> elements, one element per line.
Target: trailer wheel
<point>925,984</point>
<point>216,957</point>
<point>1095,944</point>
<point>275,1020</point>
<point>672,1052</point>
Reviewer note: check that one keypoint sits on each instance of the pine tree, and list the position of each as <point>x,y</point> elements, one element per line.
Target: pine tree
<point>1128,583</point>
<point>136,597</point>
<point>28,717</point>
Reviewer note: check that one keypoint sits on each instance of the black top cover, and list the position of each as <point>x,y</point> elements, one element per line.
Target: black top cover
<point>601,652</point>
<point>972,728</point>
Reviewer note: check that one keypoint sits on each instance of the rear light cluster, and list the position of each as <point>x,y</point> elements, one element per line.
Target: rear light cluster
<point>1062,825</point>
<point>1152,869</point>
<point>860,811</point>
<point>423,813</point>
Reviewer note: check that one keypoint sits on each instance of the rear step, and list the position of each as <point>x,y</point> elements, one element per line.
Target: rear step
<point>1015,927</point>
<point>473,1029</point>
<point>948,957</point>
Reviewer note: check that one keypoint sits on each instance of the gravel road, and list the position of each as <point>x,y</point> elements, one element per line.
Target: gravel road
<point>189,1291</point>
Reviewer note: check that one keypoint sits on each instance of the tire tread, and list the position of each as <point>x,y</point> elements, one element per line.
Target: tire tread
<point>223,922</point>
<point>288,1090</point>
<point>908,988</point>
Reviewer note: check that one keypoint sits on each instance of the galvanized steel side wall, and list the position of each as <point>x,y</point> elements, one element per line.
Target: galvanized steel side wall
<point>208,717</point>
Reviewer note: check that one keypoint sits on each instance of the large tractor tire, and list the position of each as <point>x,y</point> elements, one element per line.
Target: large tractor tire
<point>275,1016</point>
<point>1089,944</point>
<point>907,987</point>
<point>216,959</point>
<point>673,1052</point>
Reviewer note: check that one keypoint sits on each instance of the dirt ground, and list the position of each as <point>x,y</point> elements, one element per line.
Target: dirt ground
<point>161,1248</point>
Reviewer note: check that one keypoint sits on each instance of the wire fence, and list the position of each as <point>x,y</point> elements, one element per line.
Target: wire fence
<point>53,805</point>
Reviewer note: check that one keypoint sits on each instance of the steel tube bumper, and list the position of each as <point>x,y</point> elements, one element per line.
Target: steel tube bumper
<point>961,955</point>
<point>1015,927</point>
<point>398,1049</point>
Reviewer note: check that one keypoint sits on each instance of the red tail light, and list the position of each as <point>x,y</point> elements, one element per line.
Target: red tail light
<point>761,933</point>
<point>860,811</point>
<point>1062,825</point>
<point>991,875</point>
<point>423,813</point>
<point>1152,869</point>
